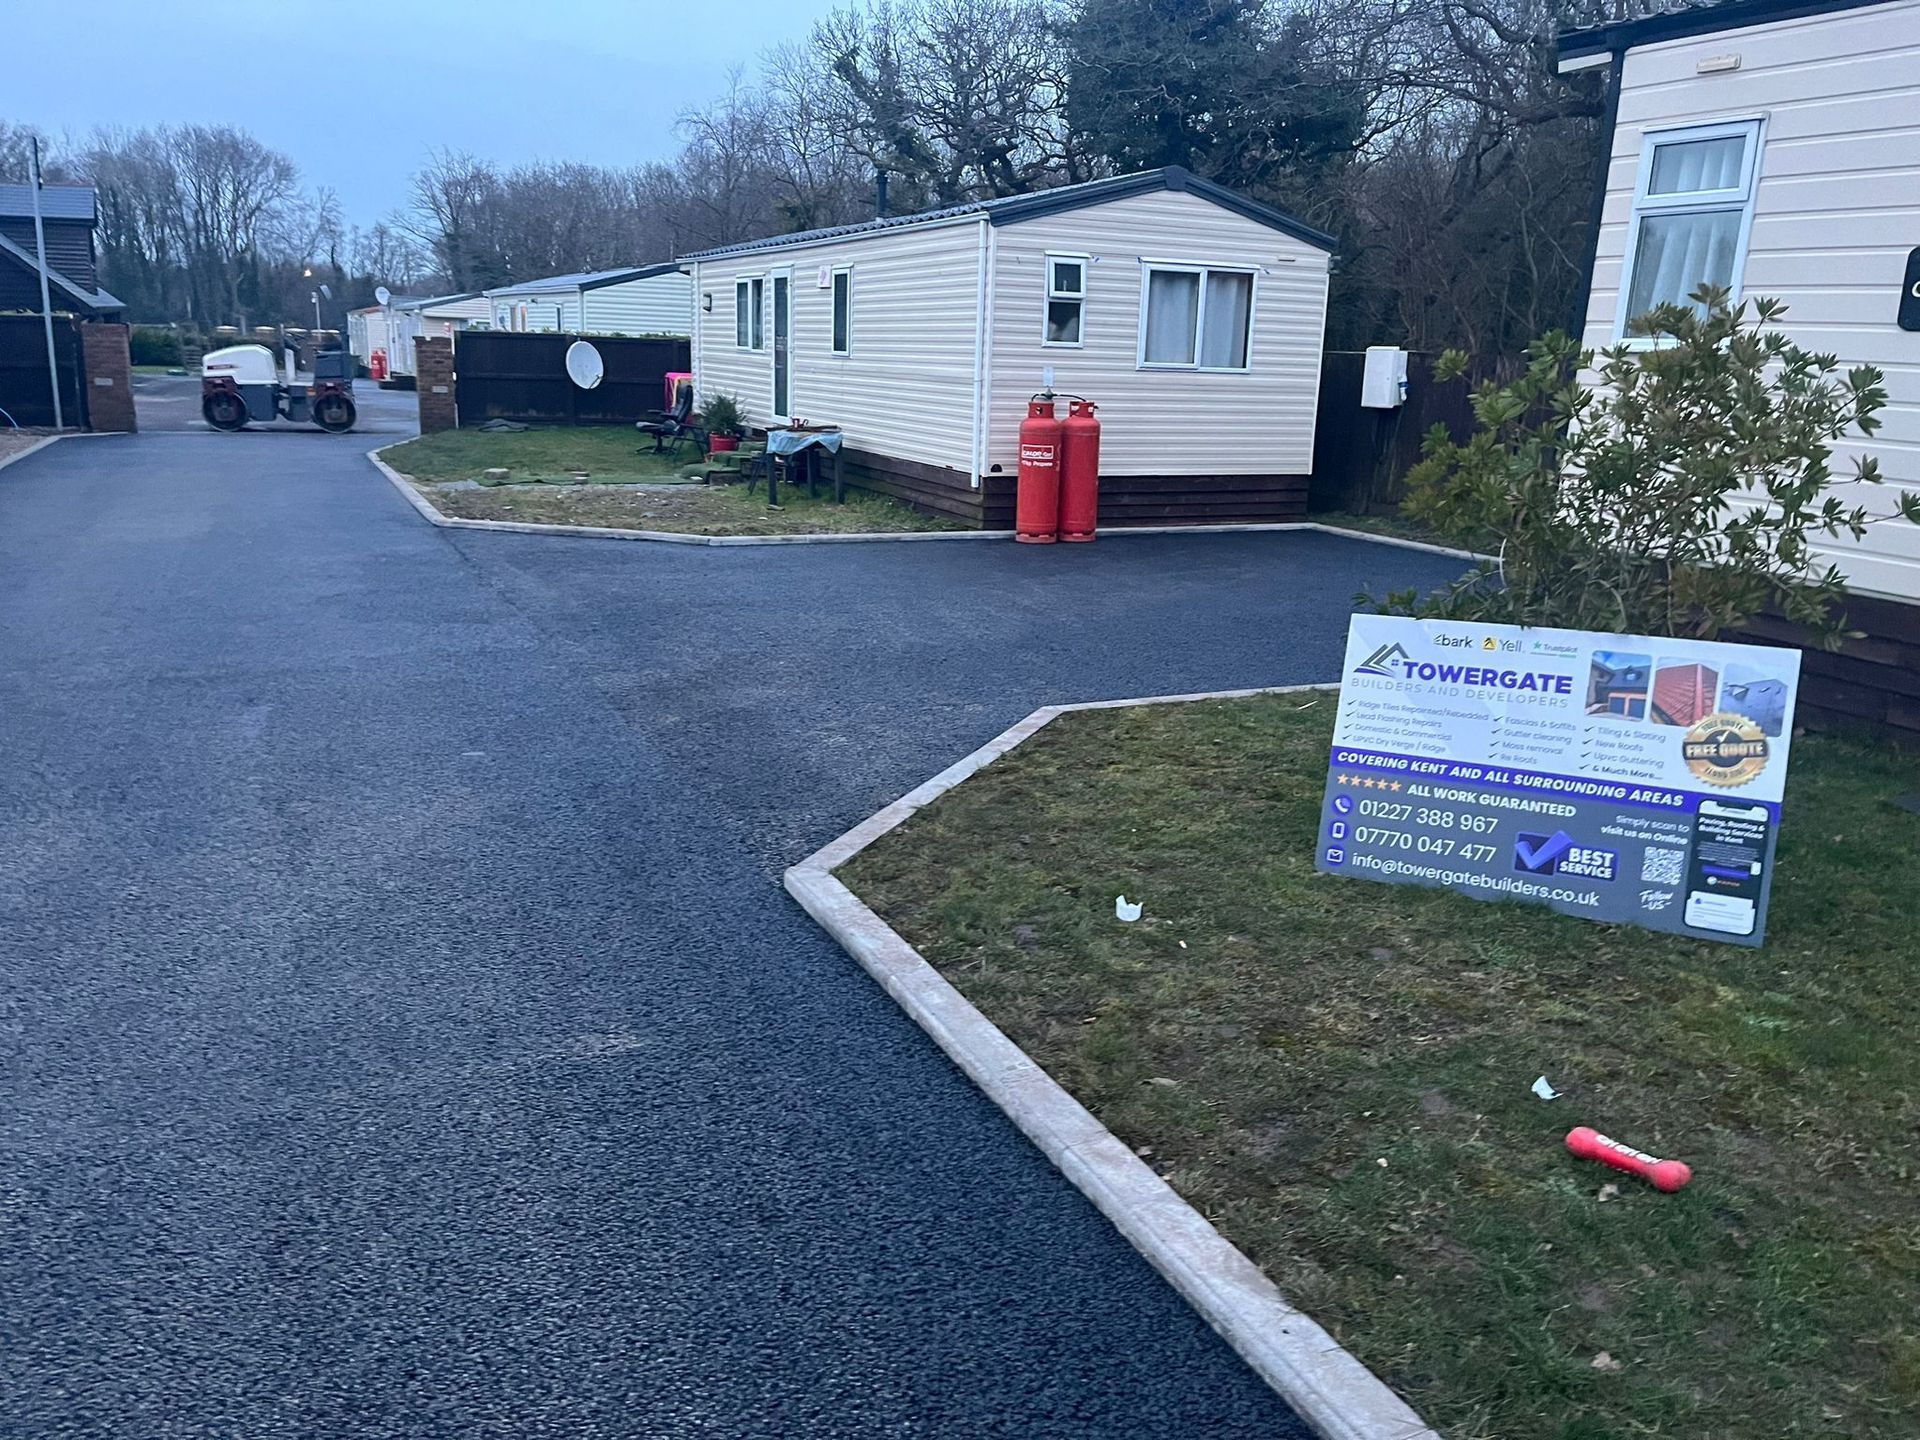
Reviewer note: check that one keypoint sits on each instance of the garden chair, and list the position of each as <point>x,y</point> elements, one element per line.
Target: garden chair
<point>671,429</point>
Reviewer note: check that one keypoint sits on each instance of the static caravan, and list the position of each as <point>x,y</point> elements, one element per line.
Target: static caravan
<point>439,317</point>
<point>648,300</point>
<point>1192,316</point>
<point>1773,147</point>
<point>387,328</point>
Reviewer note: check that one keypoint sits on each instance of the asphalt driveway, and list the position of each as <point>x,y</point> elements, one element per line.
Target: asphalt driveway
<point>405,1032</point>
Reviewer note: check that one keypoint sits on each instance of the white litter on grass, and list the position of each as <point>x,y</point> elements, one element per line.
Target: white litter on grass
<point>1544,1090</point>
<point>1123,911</point>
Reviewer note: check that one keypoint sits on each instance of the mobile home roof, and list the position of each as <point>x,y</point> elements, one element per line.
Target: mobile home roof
<point>1011,209</point>
<point>1655,20</point>
<point>587,279</point>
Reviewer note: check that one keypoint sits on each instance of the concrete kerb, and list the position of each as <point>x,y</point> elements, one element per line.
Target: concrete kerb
<point>41,444</point>
<point>1326,1386</point>
<point>667,537</point>
<point>593,532</point>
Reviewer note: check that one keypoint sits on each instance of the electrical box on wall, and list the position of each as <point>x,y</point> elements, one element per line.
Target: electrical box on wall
<point>1383,384</point>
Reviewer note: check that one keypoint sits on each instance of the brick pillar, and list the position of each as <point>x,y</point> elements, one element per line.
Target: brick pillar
<point>109,370</point>
<point>433,369</point>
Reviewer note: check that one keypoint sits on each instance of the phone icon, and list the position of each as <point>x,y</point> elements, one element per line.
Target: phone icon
<point>1727,867</point>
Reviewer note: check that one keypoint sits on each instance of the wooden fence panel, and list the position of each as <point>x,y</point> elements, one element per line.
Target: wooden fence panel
<point>24,392</point>
<point>506,375</point>
<point>1361,456</point>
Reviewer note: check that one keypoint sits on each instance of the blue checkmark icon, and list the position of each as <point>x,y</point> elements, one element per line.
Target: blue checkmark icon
<point>1540,853</point>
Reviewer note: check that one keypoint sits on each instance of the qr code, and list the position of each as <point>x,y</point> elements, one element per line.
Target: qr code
<point>1662,867</point>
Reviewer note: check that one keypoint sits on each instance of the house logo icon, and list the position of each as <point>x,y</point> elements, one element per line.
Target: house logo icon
<point>1383,662</point>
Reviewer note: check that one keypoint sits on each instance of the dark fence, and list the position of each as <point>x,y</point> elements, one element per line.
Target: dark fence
<point>24,392</point>
<point>1361,456</point>
<point>502,375</point>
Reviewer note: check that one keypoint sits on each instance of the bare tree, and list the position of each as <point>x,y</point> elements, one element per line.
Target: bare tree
<point>958,98</point>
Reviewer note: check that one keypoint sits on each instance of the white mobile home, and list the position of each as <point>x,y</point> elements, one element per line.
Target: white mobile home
<point>648,300</point>
<point>1773,147</point>
<point>386,328</point>
<point>1778,157</point>
<point>440,317</point>
<point>1192,316</point>
<point>447,315</point>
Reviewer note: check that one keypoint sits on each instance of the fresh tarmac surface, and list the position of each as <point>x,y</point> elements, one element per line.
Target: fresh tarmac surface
<point>405,1029</point>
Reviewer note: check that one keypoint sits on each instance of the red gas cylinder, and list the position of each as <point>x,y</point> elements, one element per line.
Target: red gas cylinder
<point>377,365</point>
<point>1037,502</point>
<point>1079,472</point>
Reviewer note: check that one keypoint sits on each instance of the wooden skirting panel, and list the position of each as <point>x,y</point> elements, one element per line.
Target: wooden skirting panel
<point>1871,681</point>
<point>1124,499</point>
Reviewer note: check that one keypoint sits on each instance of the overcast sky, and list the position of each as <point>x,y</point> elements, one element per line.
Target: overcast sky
<point>358,93</point>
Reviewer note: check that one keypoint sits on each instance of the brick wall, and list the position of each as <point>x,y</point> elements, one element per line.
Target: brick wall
<point>433,368</point>
<point>109,371</point>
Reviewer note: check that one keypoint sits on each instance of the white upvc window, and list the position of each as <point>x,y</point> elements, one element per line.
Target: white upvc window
<point>750,312</point>
<point>1195,317</point>
<point>1065,319</point>
<point>1692,211</point>
<point>843,310</point>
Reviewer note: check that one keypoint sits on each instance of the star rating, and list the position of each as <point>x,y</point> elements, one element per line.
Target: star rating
<point>1366,782</point>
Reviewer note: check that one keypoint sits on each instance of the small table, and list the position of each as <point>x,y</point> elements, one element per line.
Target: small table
<point>790,443</point>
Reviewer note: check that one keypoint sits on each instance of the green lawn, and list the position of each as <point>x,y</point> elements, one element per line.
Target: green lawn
<point>1336,1072</point>
<point>613,453</point>
<point>690,509</point>
<point>538,458</point>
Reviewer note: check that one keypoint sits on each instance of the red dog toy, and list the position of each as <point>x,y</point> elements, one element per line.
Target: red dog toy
<point>1667,1175</point>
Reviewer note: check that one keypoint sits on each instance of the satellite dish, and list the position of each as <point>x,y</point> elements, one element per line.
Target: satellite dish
<point>326,292</point>
<point>382,294</point>
<point>584,366</point>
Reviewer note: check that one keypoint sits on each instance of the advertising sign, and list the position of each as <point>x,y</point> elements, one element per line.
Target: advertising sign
<point>1624,778</point>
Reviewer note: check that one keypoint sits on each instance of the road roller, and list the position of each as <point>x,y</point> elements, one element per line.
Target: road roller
<point>241,384</point>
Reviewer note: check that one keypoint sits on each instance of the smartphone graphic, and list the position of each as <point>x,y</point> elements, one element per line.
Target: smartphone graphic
<point>1726,870</point>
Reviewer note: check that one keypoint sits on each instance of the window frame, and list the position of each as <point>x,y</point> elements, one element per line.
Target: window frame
<point>753,318</point>
<point>839,343</point>
<point>1203,269</point>
<point>1050,294</point>
<point>1740,198</point>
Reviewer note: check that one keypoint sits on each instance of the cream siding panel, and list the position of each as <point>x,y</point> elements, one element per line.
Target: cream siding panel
<point>906,388</point>
<point>478,310</point>
<point>1836,210</point>
<point>1162,422</point>
<point>657,305</point>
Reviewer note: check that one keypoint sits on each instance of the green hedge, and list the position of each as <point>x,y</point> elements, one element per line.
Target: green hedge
<point>155,345</point>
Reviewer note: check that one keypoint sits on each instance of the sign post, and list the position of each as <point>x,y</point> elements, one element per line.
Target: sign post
<point>1624,778</point>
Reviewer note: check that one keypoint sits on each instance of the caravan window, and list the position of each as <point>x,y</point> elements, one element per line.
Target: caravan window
<point>1196,317</point>
<point>1692,207</point>
<point>1066,299</point>
<point>749,313</point>
<point>843,310</point>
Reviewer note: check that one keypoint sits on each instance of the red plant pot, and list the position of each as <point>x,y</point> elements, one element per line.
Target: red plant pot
<point>720,444</point>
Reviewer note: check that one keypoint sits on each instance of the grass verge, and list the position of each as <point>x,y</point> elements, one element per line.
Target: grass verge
<point>1336,1073</point>
<point>692,510</point>
<point>610,453</point>
<point>611,456</point>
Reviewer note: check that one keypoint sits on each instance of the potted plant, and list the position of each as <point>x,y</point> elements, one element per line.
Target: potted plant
<point>723,423</point>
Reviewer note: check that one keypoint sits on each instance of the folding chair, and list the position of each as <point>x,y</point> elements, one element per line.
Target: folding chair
<point>672,428</point>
